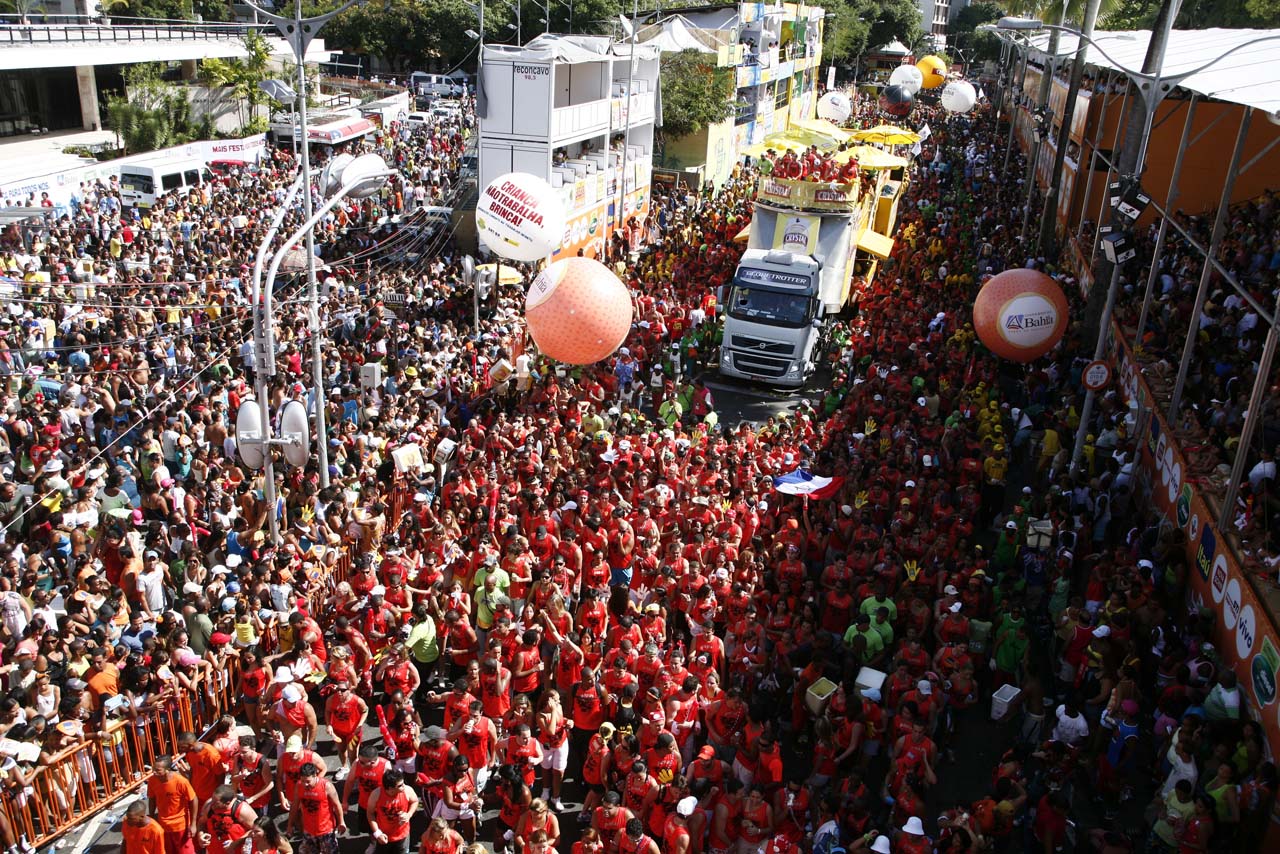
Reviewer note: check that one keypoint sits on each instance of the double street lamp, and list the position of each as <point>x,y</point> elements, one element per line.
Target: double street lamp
<point>344,177</point>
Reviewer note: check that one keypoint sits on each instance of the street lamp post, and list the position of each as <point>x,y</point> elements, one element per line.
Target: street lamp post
<point>264,355</point>
<point>365,175</point>
<point>1048,216</point>
<point>299,33</point>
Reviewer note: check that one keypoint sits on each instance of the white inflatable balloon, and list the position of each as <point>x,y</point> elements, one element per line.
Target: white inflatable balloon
<point>519,216</point>
<point>835,107</point>
<point>908,77</point>
<point>959,97</point>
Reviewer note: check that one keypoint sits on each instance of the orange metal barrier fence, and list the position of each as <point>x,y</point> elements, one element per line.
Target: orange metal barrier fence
<point>95,771</point>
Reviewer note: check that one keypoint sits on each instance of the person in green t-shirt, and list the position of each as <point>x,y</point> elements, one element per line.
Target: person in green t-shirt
<point>875,643</point>
<point>1011,651</point>
<point>423,643</point>
<point>491,585</point>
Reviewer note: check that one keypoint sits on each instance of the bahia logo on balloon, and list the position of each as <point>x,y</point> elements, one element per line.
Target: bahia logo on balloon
<point>1027,320</point>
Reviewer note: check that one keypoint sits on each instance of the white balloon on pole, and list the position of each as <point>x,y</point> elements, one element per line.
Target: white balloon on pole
<point>835,107</point>
<point>959,96</point>
<point>908,77</point>
<point>520,216</point>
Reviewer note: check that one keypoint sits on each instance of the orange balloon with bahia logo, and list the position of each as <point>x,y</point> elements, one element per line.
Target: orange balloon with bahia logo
<point>1020,314</point>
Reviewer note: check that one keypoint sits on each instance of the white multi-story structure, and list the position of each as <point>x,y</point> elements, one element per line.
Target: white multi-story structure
<point>578,112</point>
<point>54,71</point>
<point>934,16</point>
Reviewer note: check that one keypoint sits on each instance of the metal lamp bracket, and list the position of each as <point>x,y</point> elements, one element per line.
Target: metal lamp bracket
<point>299,32</point>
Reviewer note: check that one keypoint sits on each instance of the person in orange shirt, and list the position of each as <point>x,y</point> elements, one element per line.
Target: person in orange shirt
<point>142,833</point>
<point>174,806</point>
<point>208,771</point>
<point>102,677</point>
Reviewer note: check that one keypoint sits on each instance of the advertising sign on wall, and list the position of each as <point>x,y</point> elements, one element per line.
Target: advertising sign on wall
<point>1245,634</point>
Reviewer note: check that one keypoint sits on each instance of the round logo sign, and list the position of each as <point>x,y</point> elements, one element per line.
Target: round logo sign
<point>1028,320</point>
<point>1246,632</point>
<point>1184,505</point>
<point>1096,375</point>
<point>1231,605</point>
<point>1264,679</point>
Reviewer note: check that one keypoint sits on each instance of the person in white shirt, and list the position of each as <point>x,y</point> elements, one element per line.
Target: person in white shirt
<point>1071,728</point>
<point>1265,469</point>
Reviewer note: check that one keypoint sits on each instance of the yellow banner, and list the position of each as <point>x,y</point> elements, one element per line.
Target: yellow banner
<point>797,233</point>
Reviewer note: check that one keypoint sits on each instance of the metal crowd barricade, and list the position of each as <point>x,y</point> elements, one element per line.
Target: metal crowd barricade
<point>89,776</point>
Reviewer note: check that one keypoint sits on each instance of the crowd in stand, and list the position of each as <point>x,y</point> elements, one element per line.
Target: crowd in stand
<point>599,628</point>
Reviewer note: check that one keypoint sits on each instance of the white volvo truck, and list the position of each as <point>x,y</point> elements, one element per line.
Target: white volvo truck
<point>796,274</point>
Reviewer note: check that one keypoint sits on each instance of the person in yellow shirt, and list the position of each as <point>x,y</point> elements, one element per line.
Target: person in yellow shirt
<point>1050,444</point>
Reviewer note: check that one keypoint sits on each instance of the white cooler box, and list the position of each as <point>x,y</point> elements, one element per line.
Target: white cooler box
<point>818,695</point>
<point>1002,699</point>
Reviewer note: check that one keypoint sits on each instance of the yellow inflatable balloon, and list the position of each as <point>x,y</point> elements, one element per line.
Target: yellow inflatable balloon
<point>934,71</point>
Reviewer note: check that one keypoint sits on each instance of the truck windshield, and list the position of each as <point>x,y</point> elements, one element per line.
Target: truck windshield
<point>764,305</point>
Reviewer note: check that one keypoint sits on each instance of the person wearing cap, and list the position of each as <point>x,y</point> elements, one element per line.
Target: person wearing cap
<point>295,754</point>
<point>292,714</point>
<point>912,839</point>
<point>1116,763</point>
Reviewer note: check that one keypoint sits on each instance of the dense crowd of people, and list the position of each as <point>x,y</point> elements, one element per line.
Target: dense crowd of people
<point>600,628</point>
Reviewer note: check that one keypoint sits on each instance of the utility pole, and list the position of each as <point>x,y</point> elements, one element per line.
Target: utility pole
<point>1049,218</point>
<point>1138,120</point>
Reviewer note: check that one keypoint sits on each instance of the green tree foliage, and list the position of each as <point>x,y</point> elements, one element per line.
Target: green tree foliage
<point>417,36</point>
<point>24,9</point>
<point>968,18</point>
<point>977,46</point>
<point>175,10</point>
<point>242,75</point>
<point>1194,14</point>
<point>863,25</point>
<point>695,93</point>
<point>152,114</point>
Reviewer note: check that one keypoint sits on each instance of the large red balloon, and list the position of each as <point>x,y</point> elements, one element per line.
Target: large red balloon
<point>1020,314</point>
<point>578,311</point>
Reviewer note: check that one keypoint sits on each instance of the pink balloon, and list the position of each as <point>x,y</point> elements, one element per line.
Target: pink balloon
<point>578,311</point>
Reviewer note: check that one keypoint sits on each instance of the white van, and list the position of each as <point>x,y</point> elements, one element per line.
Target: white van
<point>422,83</point>
<point>143,183</point>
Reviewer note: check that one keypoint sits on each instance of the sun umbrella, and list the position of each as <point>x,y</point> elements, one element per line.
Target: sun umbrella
<point>506,275</point>
<point>824,127</point>
<point>887,135</point>
<point>871,158</point>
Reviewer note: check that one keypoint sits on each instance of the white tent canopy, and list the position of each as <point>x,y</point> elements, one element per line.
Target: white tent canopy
<point>567,49</point>
<point>1250,76</point>
<point>676,36</point>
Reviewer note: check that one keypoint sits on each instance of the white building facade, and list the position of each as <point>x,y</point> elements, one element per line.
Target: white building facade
<point>579,112</point>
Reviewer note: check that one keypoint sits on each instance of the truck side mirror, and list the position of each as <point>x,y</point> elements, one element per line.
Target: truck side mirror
<point>720,293</point>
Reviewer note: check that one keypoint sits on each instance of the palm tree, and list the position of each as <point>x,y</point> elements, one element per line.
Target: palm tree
<point>23,9</point>
<point>1060,11</point>
<point>243,75</point>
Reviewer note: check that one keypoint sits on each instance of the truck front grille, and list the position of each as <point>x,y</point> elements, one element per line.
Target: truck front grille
<point>761,366</point>
<point>759,345</point>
